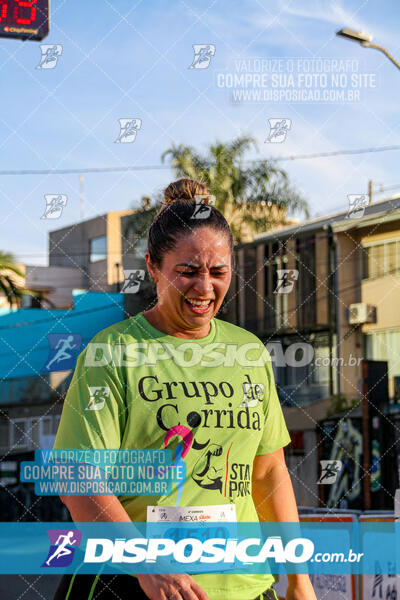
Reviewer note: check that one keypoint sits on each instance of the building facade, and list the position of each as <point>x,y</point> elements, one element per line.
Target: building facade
<point>94,248</point>
<point>338,305</point>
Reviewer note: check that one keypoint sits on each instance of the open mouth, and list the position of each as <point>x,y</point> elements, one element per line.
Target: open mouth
<point>199,306</point>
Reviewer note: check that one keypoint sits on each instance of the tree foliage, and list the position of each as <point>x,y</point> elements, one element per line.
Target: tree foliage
<point>8,285</point>
<point>253,198</point>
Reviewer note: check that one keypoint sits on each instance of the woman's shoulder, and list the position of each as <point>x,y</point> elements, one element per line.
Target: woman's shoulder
<point>235,333</point>
<point>120,333</point>
<point>117,331</point>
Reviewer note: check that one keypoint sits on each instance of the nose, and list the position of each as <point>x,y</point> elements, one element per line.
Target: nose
<point>203,285</point>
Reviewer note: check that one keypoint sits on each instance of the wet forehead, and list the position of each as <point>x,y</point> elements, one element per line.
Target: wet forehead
<point>203,248</point>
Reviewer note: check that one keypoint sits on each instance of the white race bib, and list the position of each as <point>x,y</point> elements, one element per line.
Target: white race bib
<point>224,513</point>
<point>201,516</point>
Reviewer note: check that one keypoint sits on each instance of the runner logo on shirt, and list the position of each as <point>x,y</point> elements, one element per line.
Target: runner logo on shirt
<point>213,471</point>
<point>98,397</point>
<point>209,470</point>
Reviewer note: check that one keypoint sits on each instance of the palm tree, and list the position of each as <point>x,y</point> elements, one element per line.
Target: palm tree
<point>252,198</point>
<point>137,225</point>
<point>8,285</point>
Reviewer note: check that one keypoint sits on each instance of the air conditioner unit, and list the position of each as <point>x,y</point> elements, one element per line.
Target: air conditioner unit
<point>360,313</point>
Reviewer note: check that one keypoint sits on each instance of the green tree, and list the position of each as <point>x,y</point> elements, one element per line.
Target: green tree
<point>8,286</point>
<point>340,404</point>
<point>137,225</point>
<point>253,197</point>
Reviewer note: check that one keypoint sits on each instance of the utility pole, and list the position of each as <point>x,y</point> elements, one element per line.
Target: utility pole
<point>370,191</point>
<point>117,266</point>
<point>82,195</point>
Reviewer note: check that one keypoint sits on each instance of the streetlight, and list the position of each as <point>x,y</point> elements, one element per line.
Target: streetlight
<point>365,40</point>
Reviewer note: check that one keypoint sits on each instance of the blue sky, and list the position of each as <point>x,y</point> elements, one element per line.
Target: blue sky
<point>125,59</point>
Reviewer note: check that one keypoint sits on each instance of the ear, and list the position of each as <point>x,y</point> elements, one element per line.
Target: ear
<point>150,268</point>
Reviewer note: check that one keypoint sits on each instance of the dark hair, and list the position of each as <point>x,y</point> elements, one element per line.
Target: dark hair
<point>175,218</point>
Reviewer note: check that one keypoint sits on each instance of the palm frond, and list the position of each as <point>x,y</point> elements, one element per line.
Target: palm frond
<point>258,196</point>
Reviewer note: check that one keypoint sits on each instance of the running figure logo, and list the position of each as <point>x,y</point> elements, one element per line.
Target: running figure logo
<point>286,279</point>
<point>330,470</point>
<point>278,130</point>
<point>50,55</point>
<point>202,55</point>
<point>202,209</point>
<point>209,470</point>
<point>253,393</point>
<point>61,552</point>
<point>98,397</point>
<point>133,279</point>
<point>54,206</point>
<point>357,204</point>
<point>64,349</point>
<point>128,130</point>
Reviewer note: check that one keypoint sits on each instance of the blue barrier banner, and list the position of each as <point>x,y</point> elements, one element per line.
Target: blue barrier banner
<point>156,547</point>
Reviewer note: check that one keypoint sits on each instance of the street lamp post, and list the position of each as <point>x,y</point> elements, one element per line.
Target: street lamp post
<point>365,40</point>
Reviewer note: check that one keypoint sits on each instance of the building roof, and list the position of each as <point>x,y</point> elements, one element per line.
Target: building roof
<point>127,211</point>
<point>382,207</point>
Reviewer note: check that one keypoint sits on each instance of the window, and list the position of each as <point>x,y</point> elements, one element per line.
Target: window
<point>385,345</point>
<point>268,307</point>
<point>306,283</point>
<point>46,425</point>
<point>378,260</point>
<point>29,301</point>
<point>365,263</point>
<point>18,434</point>
<point>4,435</point>
<point>321,365</point>
<point>34,432</point>
<point>250,288</point>
<point>276,298</point>
<point>98,248</point>
<point>383,259</point>
<point>275,304</point>
<point>138,246</point>
<point>30,433</point>
<point>56,422</point>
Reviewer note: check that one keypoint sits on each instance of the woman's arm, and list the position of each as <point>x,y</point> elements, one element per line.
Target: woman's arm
<point>275,502</point>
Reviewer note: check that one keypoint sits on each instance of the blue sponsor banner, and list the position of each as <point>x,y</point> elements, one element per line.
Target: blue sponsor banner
<point>25,333</point>
<point>315,548</point>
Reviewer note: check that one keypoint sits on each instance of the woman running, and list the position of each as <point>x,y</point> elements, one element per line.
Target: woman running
<point>204,390</point>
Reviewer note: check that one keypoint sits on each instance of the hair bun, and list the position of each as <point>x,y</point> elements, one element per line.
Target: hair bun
<point>185,189</point>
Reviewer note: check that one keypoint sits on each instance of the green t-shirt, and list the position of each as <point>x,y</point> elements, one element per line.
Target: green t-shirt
<point>156,382</point>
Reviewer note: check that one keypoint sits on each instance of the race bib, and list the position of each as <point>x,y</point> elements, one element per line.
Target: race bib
<point>193,522</point>
<point>225,513</point>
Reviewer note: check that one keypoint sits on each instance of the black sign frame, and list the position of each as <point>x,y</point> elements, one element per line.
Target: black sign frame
<point>18,21</point>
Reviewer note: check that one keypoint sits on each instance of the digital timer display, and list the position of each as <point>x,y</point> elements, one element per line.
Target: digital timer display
<point>24,19</point>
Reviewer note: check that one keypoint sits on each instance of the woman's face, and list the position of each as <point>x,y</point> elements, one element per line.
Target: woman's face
<point>193,279</point>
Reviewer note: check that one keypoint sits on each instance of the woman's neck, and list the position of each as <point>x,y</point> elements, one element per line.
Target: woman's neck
<point>161,322</point>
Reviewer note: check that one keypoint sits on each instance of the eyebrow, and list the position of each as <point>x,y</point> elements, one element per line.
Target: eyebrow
<point>192,266</point>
